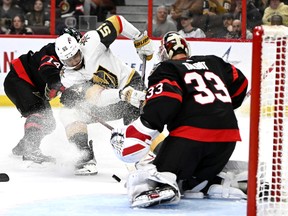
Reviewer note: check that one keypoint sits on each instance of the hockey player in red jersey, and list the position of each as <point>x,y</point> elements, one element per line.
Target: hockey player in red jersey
<point>98,84</point>
<point>33,80</point>
<point>195,98</point>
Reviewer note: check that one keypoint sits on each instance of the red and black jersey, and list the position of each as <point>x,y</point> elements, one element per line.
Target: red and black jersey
<point>196,98</point>
<point>40,67</point>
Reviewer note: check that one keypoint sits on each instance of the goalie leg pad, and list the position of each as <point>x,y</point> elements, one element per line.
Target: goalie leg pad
<point>195,193</point>
<point>230,187</point>
<point>143,191</point>
<point>159,195</point>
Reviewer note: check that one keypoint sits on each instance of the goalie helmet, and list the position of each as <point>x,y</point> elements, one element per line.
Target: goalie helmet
<point>68,50</point>
<point>172,43</point>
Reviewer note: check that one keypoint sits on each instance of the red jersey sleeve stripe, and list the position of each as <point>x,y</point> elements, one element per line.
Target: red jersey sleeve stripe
<point>20,70</point>
<point>241,89</point>
<point>172,83</point>
<point>235,73</point>
<point>47,56</point>
<point>167,94</point>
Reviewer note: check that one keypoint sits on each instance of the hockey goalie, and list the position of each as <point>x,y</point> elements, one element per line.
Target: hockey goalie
<point>195,97</point>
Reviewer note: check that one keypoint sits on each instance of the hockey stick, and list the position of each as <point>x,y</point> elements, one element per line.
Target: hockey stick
<point>105,124</point>
<point>143,69</point>
<point>267,72</point>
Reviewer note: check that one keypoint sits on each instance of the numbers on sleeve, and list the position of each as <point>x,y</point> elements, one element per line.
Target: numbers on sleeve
<point>104,30</point>
<point>56,63</point>
<point>158,89</point>
<point>205,95</point>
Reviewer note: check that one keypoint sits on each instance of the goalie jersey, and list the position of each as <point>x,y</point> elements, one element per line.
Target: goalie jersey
<point>196,98</point>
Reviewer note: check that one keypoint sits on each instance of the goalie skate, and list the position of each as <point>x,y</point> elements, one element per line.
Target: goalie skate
<point>37,157</point>
<point>153,197</point>
<point>87,168</point>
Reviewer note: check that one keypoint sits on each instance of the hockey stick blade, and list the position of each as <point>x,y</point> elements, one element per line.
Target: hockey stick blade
<point>4,177</point>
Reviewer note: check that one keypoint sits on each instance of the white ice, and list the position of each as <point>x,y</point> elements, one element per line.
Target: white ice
<point>53,189</point>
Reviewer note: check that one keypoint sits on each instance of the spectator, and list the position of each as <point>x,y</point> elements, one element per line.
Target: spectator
<point>253,14</point>
<point>70,11</point>
<point>172,16</point>
<point>18,26</point>
<point>236,32</point>
<point>25,5</point>
<point>194,6</point>
<point>188,31</point>
<point>161,25</point>
<point>276,20</point>
<point>7,11</point>
<point>275,7</point>
<point>227,20</point>
<point>102,8</point>
<point>261,5</point>
<point>38,16</point>
<point>218,7</point>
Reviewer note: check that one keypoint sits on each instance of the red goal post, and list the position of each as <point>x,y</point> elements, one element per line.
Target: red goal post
<point>268,152</point>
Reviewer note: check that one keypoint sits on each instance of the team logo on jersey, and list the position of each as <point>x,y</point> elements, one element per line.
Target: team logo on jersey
<point>84,39</point>
<point>105,78</point>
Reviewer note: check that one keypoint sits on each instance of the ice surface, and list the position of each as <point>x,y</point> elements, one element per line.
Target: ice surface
<point>53,189</point>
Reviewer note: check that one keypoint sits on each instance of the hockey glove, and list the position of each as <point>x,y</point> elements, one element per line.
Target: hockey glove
<point>74,94</point>
<point>53,90</point>
<point>117,140</point>
<point>132,96</point>
<point>144,46</point>
<point>131,144</point>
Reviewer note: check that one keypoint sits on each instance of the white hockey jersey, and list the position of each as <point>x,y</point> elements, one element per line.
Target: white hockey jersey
<point>99,63</point>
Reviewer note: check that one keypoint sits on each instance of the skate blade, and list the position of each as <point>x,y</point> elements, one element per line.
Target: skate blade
<point>86,171</point>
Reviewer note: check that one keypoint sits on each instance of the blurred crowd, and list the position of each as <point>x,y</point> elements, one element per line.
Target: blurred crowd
<point>191,18</point>
<point>33,16</point>
<point>217,18</point>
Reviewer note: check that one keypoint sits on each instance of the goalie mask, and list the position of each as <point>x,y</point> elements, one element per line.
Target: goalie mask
<point>68,50</point>
<point>172,43</point>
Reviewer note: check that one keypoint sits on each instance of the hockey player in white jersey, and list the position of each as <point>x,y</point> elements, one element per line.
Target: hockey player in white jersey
<point>98,83</point>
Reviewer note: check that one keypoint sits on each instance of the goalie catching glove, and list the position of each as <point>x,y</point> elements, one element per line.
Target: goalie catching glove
<point>132,143</point>
<point>53,90</point>
<point>74,94</point>
<point>144,46</point>
<point>132,96</point>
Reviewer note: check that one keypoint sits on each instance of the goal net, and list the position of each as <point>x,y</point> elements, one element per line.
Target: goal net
<point>268,153</point>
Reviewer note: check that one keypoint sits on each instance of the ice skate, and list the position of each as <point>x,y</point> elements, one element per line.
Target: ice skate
<point>21,148</point>
<point>38,157</point>
<point>87,164</point>
<point>156,196</point>
<point>86,168</point>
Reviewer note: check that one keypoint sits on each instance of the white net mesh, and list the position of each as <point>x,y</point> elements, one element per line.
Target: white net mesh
<point>272,174</point>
